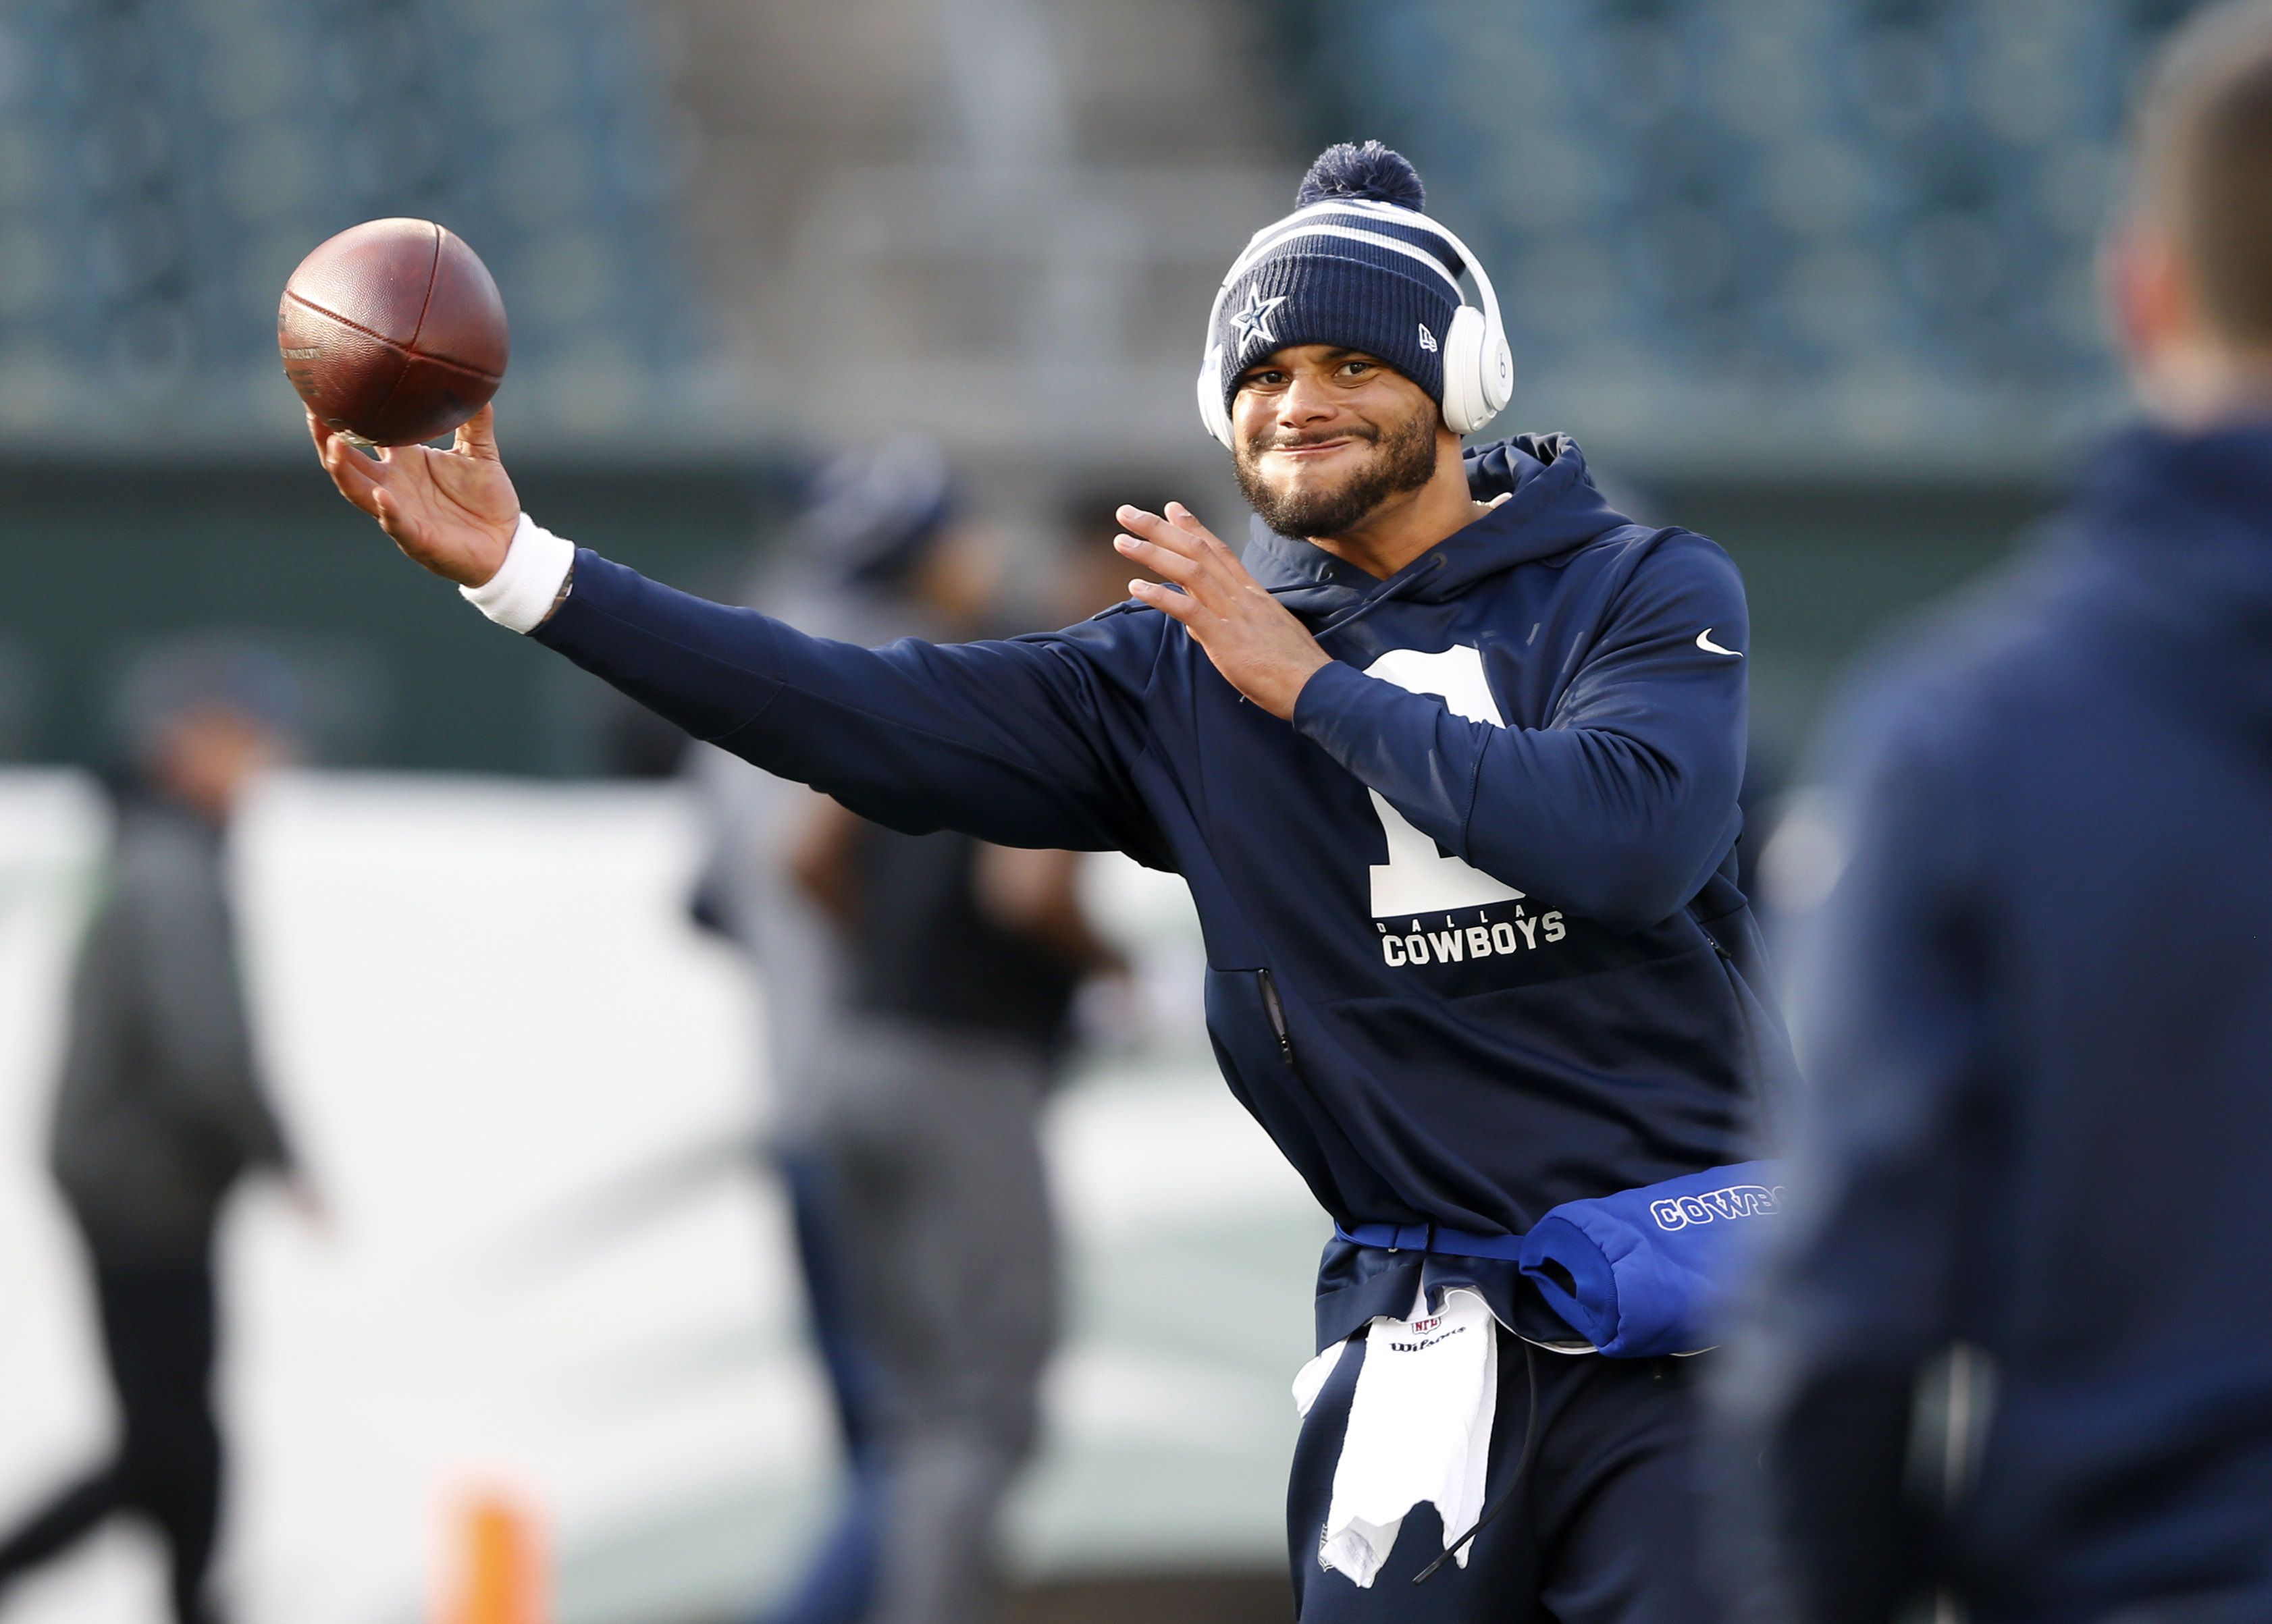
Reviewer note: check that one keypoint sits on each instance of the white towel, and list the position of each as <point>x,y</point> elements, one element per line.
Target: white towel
<point>1419,1430</point>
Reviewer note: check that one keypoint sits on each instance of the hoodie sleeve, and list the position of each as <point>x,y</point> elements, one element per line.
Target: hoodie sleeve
<point>1623,805</point>
<point>1886,906</point>
<point>1005,741</point>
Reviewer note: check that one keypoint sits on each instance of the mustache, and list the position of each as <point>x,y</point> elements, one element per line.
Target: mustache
<point>1266,442</point>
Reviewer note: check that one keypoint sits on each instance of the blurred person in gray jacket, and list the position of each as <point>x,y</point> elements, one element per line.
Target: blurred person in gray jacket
<point>161,1107</point>
<point>862,522</point>
<point>918,997</point>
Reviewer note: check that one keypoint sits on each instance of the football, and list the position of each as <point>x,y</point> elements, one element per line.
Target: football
<point>393,332</point>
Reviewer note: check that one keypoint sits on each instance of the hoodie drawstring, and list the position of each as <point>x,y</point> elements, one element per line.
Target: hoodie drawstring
<point>1515,1479</point>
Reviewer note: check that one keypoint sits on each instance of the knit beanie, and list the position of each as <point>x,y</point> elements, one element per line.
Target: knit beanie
<point>1311,282</point>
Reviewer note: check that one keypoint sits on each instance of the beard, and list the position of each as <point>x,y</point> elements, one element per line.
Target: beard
<point>1403,459</point>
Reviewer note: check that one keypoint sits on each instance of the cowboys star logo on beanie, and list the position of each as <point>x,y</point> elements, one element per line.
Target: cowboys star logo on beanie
<point>1358,279</point>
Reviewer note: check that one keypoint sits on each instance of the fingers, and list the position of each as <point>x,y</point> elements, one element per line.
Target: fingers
<point>386,507</point>
<point>1166,599</point>
<point>1184,518</point>
<point>1177,529</point>
<point>1177,546</point>
<point>1178,567</point>
<point>323,434</point>
<point>356,476</point>
<point>476,436</point>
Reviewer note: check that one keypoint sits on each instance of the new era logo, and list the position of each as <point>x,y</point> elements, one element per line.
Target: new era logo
<point>1427,339</point>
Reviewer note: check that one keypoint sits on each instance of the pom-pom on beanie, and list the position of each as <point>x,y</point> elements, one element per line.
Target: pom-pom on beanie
<point>1390,289</point>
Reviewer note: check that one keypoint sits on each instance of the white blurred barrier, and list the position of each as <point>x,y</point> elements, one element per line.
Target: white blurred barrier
<point>523,1082</point>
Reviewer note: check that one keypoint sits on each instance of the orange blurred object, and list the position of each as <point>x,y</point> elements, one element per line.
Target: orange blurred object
<point>500,1578</point>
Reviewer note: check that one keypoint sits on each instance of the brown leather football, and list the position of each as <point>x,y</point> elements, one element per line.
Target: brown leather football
<point>393,332</point>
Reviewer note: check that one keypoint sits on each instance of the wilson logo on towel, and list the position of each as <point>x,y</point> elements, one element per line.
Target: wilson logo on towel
<point>1736,1202</point>
<point>1425,1343</point>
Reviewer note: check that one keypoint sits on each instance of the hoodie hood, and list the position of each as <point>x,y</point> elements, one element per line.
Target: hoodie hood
<point>1551,506</point>
<point>2179,529</point>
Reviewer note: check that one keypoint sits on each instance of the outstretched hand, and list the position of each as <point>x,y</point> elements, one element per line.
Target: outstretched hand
<point>1261,650</point>
<point>453,511</point>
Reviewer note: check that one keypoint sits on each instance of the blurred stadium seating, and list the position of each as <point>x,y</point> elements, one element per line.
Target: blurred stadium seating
<point>1862,231</point>
<point>1756,234</point>
<point>996,221</point>
<point>165,163</point>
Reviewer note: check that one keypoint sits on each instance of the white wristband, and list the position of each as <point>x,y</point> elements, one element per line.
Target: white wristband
<point>521,593</point>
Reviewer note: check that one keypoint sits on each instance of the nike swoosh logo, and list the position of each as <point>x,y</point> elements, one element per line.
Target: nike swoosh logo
<point>1704,641</point>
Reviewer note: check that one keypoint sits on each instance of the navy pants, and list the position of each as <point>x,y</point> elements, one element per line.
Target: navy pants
<point>1602,1530</point>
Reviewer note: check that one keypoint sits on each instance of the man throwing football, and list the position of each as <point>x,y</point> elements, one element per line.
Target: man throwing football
<point>1449,760</point>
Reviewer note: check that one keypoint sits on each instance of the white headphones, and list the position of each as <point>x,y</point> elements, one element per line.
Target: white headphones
<point>1478,367</point>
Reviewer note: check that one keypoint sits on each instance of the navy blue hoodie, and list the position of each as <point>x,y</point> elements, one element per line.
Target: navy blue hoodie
<point>2035,1013</point>
<point>1473,946</point>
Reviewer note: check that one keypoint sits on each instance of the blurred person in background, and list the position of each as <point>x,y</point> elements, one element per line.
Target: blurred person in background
<point>2034,1005</point>
<point>862,520</point>
<point>1092,576</point>
<point>162,1109</point>
<point>918,990</point>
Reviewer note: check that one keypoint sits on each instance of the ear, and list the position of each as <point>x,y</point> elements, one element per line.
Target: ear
<point>2146,294</point>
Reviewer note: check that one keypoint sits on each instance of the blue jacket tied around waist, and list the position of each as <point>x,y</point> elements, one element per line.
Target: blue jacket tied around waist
<point>1474,943</point>
<point>1645,1271</point>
